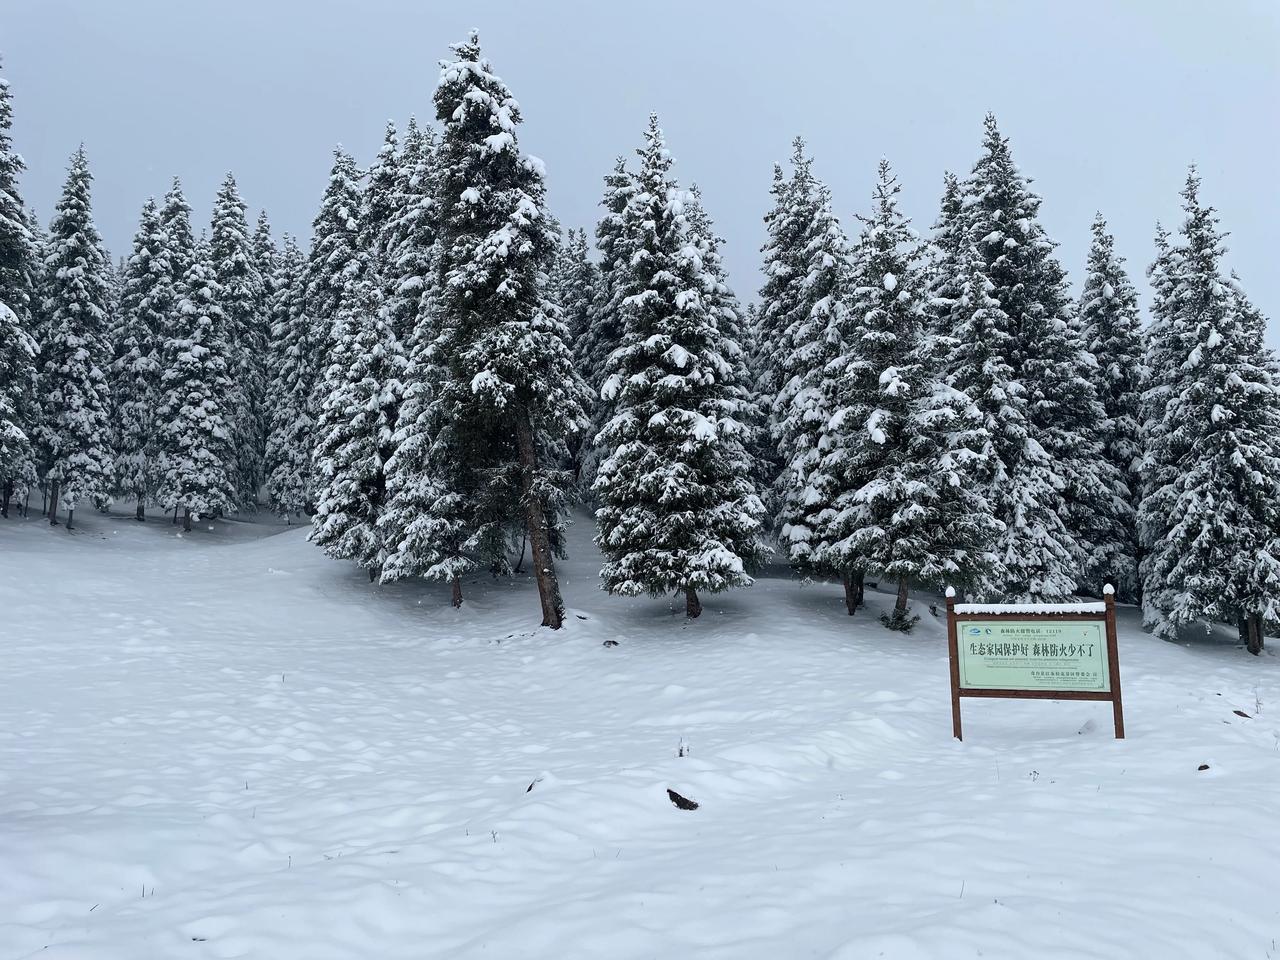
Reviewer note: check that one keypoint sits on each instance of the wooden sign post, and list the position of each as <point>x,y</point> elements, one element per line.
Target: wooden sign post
<point>1057,651</point>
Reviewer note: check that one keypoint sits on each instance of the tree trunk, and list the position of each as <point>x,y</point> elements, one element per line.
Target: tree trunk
<point>53,503</point>
<point>544,567</point>
<point>1255,634</point>
<point>44,498</point>
<point>5,494</point>
<point>1243,626</point>
<point>900,608</point>
<point>71,516</point>
<point>142,510</point>
<point>524,543</point>
<point>457,591</point>
<point>186,519</point>
<point>175,515</point>
<point>373,574</point>
<point>692,605</point>
<point>853,590</point>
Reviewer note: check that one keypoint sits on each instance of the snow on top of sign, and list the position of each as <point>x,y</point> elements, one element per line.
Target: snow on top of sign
<point>1034,608</point>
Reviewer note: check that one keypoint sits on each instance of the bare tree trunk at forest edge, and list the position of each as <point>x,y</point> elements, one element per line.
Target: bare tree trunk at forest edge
<point>544,567</point>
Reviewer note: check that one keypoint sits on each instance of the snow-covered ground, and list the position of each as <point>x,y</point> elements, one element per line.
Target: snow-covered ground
<point>226,745</point>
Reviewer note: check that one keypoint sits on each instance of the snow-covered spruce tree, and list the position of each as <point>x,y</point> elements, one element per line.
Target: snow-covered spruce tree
<point>332,270</point>
<point>678,511</point>
<point>17,252</point>
<point>805,489</point>
<point>723,305</point>
<point>427,523</point>
<point>360,390</point>
<point>379,201</point>
<point>898,443</point>
<point>947,253</point>
<point>175,220</point>
<point>77,400</point>
<point>792,226</point>
<point>573,283</point>
<point>148,303</point>
<point>603,332</point>
<point>357,423</point>
<point>1042,344</point>
<point>19,409</point>
<point>288,457</point>
<point>18,403</point>
<point>571,286</point>
<point>266,260</point>
<point>1029,558</point>
<point>333,264</point>
<point>1112,332</point>
<point>1212,527</point>
<point>510,372</point>
<point>236,270</point>
<point>194,426</point>
<point>410,234</point>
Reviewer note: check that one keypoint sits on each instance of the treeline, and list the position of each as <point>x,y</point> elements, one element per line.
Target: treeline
<point>446,371</point>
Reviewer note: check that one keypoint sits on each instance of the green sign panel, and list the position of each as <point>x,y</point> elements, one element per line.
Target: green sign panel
<point>1033,655</point>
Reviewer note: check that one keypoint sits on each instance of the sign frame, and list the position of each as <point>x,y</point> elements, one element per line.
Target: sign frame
<point>1059,614</point>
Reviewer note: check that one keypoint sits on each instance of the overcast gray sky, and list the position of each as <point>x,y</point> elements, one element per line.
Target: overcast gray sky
<point>1105,102</point>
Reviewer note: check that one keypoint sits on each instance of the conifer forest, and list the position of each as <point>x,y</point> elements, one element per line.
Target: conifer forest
<point>317,549</point>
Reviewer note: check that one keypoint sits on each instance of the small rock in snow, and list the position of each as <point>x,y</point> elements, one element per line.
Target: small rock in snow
<point>684,803</point>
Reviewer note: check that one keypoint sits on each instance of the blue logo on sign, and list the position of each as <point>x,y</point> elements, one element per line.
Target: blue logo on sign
<point>975,631</point>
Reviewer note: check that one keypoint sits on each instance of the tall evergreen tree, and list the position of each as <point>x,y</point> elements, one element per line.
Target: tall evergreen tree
<point>1112,333</point>
<point>788,225</point>
<point>410,234</point>
<point>236,270</point>
<point>510,372</point>
<point>357,424</point>
<point>573,283</point>
<point>379,201</point>
<point>266,260</point>
<point>907,507</point>
<point>333,264</point>
<point>196,432</point>
<point>175,220</point>
<point>17,254</point>
<point>947,254</point>
<point>572,286</point>
<point>678,509</point>
<point>19,409</point>
<point>1212,525</point>
<point>432,481</point>
<point>77,400</point>
<point>288,456</point>
<point>806,488</point>
<point>18,403</point>
<point>333,268</point>
<point>786,303</point>
<point>603,332</point>
<point>361,391</point>
<point>1037,337</point>
<point>148,303</point>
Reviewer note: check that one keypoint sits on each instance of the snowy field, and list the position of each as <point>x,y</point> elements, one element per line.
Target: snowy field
<point>225,745</point>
